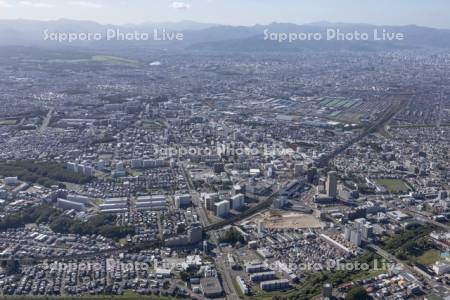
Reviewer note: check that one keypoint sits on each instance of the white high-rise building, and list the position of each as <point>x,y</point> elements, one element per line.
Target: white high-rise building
<point>222,208</point>
<point>237,201</point>
<point>260,228</point>
<point>355,237</point>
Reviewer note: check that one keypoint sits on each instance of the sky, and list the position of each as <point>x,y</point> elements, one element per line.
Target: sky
<point>431,13</point>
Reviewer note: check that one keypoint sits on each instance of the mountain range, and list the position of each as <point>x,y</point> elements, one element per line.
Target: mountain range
<point>216,37</point>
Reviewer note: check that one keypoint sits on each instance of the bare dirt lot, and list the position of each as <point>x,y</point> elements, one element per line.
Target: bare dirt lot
<point>286,220</point>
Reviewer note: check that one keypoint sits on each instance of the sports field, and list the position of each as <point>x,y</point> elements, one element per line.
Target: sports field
<point>394,186</point>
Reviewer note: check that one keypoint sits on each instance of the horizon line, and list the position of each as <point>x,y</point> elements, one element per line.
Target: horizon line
<point>220,24</point>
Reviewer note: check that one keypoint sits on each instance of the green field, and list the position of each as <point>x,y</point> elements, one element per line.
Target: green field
<point>8,122</point>
<point>394,186</point>
<point>413,246</point>
<point>429,257</point>
<point>114,60</point>
<point>111,60</point>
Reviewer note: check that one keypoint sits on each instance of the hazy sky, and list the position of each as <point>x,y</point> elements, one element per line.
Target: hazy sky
<point>434,13</point>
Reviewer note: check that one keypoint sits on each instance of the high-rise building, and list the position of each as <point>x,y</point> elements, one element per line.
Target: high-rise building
<point>205,247</point>
<point>195,233</point>
<point>347,232</point>
<point>298,170</point>
<point>311,175</point>
<point>332,184</point>
<point>327,291</point>
<point>210,200</point>
<point>182,200</point>
<point>237,201</point>
<point>355,237</point>
<point>260,228</point>
<point>222,208</point>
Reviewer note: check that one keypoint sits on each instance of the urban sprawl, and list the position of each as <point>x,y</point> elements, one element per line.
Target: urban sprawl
<point>248,176</point>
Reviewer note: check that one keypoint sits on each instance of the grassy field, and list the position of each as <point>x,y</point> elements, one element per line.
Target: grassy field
<point>111,60</point>
<point>394,186</point>
<point>413,246</point>
<point>429,257</point>
<point>114,60</point>
<point>8,122</point>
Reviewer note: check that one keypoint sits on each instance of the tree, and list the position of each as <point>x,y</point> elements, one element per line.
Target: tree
<point>12,267</point>
<point>184,276</point>
<point>166,285</point>
<point>181,228</point>
<point>232,236</point>
<point>357,293</point>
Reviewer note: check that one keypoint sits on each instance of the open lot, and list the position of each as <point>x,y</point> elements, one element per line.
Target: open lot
<point>285,220</point>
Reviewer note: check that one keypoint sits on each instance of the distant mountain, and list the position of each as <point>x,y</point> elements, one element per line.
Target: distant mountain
<point>266,37</point>
<point>179,26</point>
<point>213,37</point>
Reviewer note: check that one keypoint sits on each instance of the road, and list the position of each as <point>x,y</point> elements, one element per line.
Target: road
<point>222,265</point>
<point>221,260</point>
<point>382,120</point>
<point>426,219</point>
<point>196,201</point>
<point>46,120</point>
<point>420,216</point>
